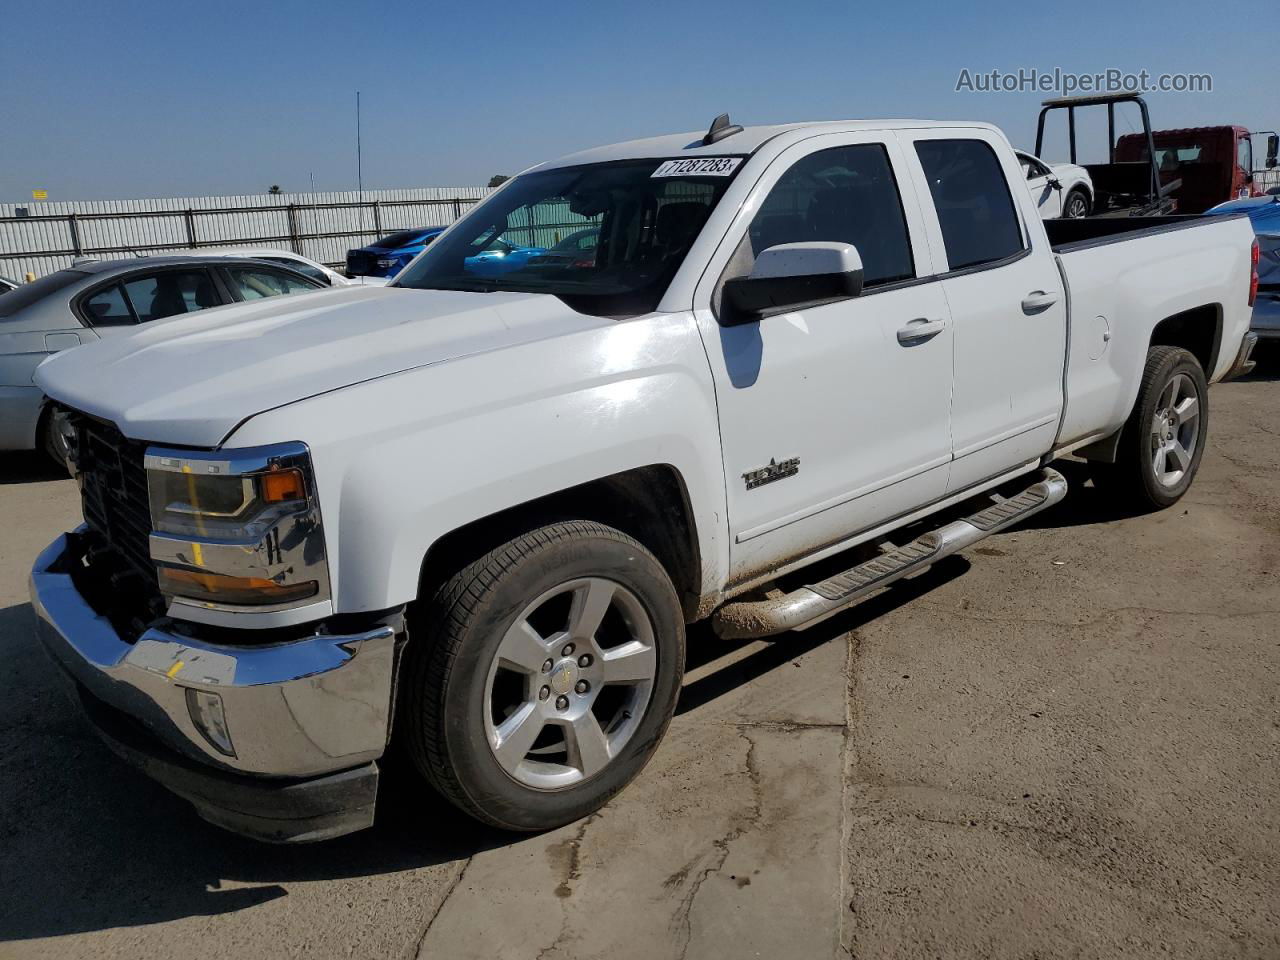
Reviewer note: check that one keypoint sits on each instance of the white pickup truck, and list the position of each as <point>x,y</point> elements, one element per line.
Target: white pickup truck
<point>470,516</point>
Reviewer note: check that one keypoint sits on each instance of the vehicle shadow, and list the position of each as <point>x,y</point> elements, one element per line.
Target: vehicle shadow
<point>29,466</point>
<point>90,844</point>
<point>1083,505</point>
<point>705,647</point>
<point>1267,356</point>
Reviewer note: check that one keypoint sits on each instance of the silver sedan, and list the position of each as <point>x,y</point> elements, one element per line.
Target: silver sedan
<point>94,299</point>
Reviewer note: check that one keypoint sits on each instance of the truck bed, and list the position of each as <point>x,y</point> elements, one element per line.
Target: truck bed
<point>1193,270</point>
<point>1068,235</point>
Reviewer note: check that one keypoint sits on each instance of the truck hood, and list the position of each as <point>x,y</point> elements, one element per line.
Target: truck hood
<point>194,379</point>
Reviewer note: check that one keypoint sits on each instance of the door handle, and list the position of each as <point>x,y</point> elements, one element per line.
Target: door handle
<point>1037,301</point>
<point>920,330</point>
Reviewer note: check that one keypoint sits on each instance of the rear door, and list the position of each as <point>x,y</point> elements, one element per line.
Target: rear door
<point>148,295</point>
<point>1006,300</point>
<point>833,418</point>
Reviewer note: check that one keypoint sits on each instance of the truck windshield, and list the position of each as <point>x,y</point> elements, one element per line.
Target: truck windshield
<point>644,221</point>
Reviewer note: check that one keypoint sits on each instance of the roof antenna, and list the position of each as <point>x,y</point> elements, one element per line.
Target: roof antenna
<point>720,128</point>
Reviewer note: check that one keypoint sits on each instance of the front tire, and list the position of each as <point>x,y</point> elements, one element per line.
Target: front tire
<point>1076,205</point>
<point>1163,440</point>
<point>543,675</point>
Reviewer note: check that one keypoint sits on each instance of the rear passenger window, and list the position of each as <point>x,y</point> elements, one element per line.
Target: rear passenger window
<point>971,195</point>
<point>107,308</point>
<point>168,294</point>
<point>845,195</point>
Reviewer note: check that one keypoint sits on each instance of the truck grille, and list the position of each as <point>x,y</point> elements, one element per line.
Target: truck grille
<point>113,488</point>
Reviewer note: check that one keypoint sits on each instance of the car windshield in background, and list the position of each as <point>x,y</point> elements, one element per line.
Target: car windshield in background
<point>637,218</point>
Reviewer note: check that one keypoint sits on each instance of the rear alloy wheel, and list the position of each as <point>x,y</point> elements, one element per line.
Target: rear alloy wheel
<point>1163,440</point>
<point>1175,431</point>
<point>540,678</point>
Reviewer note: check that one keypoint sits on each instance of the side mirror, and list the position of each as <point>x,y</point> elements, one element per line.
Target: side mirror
<point>790,276</point>
<point>1273,147</point>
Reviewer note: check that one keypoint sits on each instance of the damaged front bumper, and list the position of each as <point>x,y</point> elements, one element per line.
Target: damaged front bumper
<point>276,741</point>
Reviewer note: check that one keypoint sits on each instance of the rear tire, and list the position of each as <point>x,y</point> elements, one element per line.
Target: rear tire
<point>515,744</point>
<point>1163,441</point>
<point>51,441</point>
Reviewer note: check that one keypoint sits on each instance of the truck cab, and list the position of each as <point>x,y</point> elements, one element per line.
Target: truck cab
<point>1214,164</point>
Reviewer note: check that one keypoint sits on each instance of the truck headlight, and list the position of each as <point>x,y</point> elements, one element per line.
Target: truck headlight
<point>236,529</point>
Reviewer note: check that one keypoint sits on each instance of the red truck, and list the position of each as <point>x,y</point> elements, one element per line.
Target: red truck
<point>1215,164</point>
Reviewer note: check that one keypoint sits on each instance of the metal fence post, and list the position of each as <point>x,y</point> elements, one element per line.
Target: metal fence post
<point>377,220</point>
<point>190,219</point>
<point>74,224</point>
<point>457,208</point>
<point>292,212</point>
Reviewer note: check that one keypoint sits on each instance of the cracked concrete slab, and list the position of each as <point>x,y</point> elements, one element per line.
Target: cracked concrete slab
<point>1063,744</point>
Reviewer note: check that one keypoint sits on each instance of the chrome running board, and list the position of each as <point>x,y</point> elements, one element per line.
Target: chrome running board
<point>813,603</point>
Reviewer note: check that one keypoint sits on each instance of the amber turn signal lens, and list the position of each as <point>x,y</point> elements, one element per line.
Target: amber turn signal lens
<point>281,486</point>
<point>244,591</point>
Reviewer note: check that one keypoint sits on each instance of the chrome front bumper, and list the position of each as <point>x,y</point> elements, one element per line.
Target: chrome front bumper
<point>305,708</point>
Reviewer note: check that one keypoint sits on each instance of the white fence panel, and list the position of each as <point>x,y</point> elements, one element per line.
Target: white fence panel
<point>50,234</point>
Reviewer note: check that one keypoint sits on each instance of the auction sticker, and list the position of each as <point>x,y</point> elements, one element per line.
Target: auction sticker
<point>698,167</point>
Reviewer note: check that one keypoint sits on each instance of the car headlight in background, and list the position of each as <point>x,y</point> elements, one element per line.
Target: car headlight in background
<point>236,529</point>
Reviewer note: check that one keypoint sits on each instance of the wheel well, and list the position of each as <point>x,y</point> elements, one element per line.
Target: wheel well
<point>1199,331</point>
<point>648,503</point>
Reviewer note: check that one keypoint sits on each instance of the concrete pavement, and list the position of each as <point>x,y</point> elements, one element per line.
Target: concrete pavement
<point>1062,744</point>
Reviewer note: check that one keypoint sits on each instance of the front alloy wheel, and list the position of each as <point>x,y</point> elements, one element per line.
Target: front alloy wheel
<point>539,679</point>
<point>1076,207</point>
<point>570,683</point>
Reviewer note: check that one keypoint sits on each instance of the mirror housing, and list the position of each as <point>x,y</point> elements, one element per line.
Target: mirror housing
<point>791,276</point>
<point>1273,147</point>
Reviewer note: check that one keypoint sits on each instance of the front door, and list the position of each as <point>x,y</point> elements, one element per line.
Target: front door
<point>833,418</point>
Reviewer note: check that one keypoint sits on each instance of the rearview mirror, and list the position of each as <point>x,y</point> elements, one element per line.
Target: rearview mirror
<point>1273,147</point>
<point>791,276</point>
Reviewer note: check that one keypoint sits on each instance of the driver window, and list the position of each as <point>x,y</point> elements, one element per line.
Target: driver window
<point>846,195</point>
<point>1244,151</point>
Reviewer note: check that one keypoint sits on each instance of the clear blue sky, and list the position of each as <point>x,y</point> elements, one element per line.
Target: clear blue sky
<point>132,99</point>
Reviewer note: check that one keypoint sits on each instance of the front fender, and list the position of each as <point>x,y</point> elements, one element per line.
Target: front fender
<point>405,459</point>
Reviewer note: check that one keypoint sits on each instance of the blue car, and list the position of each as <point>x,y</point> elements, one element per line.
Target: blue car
<point>1264,214</point>
<point>501,257</point>
<point>390,255</point>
